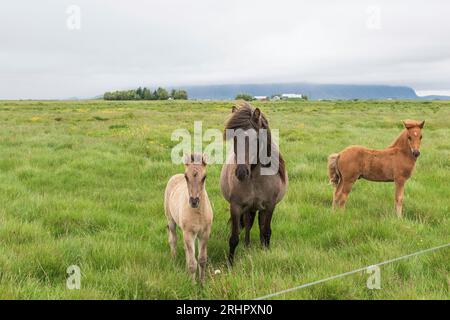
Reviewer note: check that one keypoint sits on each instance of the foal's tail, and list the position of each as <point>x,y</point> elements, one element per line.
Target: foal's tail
<point>333,172</point>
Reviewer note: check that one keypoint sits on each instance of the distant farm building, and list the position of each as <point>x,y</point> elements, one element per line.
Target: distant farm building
<point>291,96</point>
<point>261,98</point>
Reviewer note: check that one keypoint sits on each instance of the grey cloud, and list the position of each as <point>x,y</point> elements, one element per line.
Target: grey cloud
<point>124,44</point>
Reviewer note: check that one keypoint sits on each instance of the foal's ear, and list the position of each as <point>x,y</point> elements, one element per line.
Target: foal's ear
<point>234,109</point>
<point>204,159</point>
<point>187,159</point>
<point>408,124</point>
<point>256,114</point>
<point>422,124</point>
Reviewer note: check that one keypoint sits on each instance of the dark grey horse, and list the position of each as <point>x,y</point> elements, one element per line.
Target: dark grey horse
<point>242,183</point>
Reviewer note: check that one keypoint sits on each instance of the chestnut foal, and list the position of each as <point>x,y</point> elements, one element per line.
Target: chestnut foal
<point>393,164</point>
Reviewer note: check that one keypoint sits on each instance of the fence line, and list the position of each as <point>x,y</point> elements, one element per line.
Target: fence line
<point>352,272</point>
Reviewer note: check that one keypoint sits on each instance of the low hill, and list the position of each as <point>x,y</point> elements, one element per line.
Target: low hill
<point>313,91</point>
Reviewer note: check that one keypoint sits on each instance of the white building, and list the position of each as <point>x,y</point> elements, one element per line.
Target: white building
<point>291,96</point>
<point>261,98</point>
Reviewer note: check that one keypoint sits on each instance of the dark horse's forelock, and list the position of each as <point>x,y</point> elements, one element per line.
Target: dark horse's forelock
<point>242,118</point>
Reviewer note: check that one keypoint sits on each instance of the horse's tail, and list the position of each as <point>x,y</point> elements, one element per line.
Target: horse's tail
<point>333,171</point>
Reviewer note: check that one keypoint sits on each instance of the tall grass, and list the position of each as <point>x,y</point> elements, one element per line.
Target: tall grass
<point>81,183</point>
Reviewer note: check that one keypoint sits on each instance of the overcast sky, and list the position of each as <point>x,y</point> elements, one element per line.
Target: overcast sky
<point>124,44</point>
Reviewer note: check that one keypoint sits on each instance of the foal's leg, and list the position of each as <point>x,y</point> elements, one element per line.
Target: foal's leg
<point>189,249</point>
<point>249,218</point>
<point>337,193</point>
<point>172,228</point>
<point>399,192</point>
<point>236,212</point>
<point>202,254</point>
<point>342,197</point>
<point>265,219</point>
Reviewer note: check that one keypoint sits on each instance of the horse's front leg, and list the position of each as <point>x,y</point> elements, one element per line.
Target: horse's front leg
<point>249,218</point>
<point>189,248</point>
<point>172,228</point>
<point>265,220</point>
<point>236,212</point>
<point>202,254</point>
<point>399,192</point>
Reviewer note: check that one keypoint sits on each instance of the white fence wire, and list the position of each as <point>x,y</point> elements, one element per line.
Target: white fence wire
<point>352,272</point>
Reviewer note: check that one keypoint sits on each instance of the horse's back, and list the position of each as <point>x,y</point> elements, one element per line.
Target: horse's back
<point>371,164</point>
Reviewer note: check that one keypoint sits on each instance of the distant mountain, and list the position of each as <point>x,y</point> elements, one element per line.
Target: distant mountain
<point>313,91</point>
<point>435,97</point>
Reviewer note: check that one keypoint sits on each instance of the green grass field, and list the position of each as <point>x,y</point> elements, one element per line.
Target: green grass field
<point>82,182</point>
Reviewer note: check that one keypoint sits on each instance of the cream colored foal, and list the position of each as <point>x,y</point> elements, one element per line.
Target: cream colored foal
<point>186,204</point>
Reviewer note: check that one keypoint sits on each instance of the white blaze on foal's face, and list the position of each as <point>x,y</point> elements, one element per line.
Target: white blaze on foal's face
<point>414,135</point>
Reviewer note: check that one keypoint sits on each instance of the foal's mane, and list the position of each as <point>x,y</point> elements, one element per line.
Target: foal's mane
<point>399,140</point>
<point>242,118</point>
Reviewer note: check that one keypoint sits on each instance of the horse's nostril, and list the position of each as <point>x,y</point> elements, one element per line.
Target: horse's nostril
<point>416,153</point>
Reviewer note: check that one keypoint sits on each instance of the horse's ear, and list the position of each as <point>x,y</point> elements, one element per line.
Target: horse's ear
<point>234,109</point>
<point>256,114</point>
<point>422,124</point>
<point>407,124</point>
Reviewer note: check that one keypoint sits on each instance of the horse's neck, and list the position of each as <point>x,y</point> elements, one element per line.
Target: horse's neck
<point>401,141</point>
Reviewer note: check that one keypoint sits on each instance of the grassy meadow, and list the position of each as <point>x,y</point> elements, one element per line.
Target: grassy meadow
<point>82,183</point>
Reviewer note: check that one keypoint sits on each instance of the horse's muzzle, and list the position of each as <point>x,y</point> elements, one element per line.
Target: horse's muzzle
<point>242,172</point>
<point>194,202</point>
<point>416,153</point>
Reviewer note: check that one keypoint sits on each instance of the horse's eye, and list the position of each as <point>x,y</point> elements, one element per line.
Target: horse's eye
<point>409,138</point>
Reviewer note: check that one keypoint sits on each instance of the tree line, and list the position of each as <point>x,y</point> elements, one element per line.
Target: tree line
<point>146,94</point>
